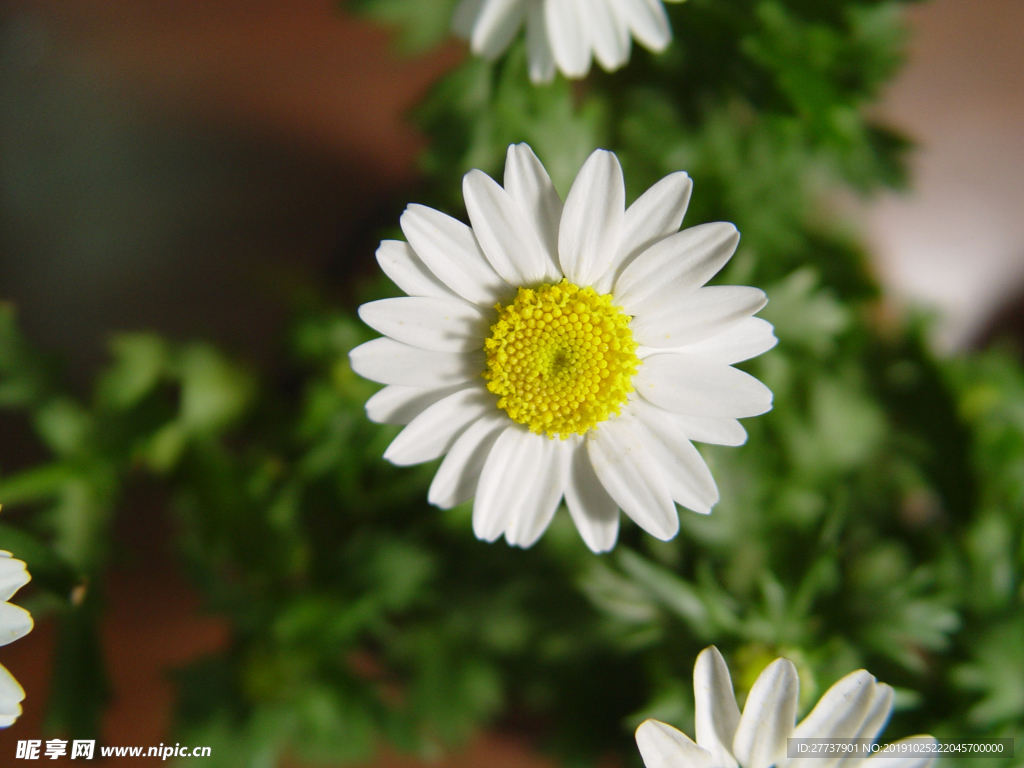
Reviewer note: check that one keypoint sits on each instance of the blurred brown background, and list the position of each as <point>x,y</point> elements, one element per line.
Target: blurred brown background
<point>168,165</point>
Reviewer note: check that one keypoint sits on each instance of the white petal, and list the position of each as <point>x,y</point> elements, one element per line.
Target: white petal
<point>457,477</point>
<point>495,26</point>
<point>742,341</point>
<point>529,185</point>
<point>567,33</point>
<point>702,315</point>
<point>432,433</point>
<point>13,576</point>
<point>11,696</point>
<point>713,430</point>
<point>451,252</point>
<point>685,473</point>
<point>392,362</point>
<point>628,473</point>
<point>538,47</point>
<point>878,714</point>
<point>592,219</point>
<point>540,495</point>
<point>15,623</point>
<point>400,405</point>
<point>874,721</point>
<point>916,761</point>
<point>442,325</point>
<point>653,216</point>
<point>717,715</point>
<point>465,16</point>
<point>504,232</point>
<point>595,512</point>
<point>512,465</point>
<point>608,34</point>
<point>694,386</point>
<point>839,714</point>
<point>663,746</point>
<point>768,716</point>
<point>676,266</point>
<point>400,262</point>
<point>648,21</point>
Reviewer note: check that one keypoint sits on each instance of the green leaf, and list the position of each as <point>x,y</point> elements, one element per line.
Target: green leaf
<point>140,360</point>
<point>680,597</point>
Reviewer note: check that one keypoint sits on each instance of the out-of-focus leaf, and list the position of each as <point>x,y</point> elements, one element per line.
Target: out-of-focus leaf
<point>421,24</point>
<point>213,391</point>
<point>140,359</point>
<point>997,672</point>
<point>667,589</point>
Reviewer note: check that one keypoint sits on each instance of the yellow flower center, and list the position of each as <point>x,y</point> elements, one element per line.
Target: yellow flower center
<point>561,359</point>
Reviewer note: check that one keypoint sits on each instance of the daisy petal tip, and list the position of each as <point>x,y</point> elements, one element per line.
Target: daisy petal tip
<point>484,529</point>
<point>710,655</point>
<point>651,729</point>
<point>663,746</point>
<point>389,456</point>
<point>519,151</point>
<point>668,532</point>
<point>781,669</point>
<point>702,510</point>
<point>654,735</point>
<point>608,157</point>
<point>472,179</point>
<point>605,546</point>
<point>601,545</point>
<point>710,665</point>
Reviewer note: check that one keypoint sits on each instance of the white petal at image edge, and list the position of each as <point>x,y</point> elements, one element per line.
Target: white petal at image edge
<point>15,623</point>
<point>768,717</point>
<point>716,715</point>
<point>663,746</point>
<point>11,696</point>
<point>13,576</point>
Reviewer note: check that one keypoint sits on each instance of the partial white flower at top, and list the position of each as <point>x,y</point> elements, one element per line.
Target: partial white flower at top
<point>572,352</point>
<point>15,622</point>
<point>857,706</point>
<point>564,33</point>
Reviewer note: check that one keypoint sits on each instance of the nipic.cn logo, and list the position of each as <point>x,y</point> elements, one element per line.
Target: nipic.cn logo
<point>35,749</point>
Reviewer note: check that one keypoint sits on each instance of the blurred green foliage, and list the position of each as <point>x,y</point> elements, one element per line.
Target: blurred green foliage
<point>874,518</point>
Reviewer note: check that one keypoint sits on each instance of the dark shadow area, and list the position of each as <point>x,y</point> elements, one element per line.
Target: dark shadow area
<point>1005,327</point>
<point>117,217</point>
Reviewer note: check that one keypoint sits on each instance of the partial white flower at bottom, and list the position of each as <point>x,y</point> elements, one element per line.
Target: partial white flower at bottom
<point>564,33</point>
<point>15,622</point>
<point>855,707</point>
<point>550,352</point>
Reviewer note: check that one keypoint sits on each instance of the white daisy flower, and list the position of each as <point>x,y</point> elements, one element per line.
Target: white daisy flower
<point>857,706</point>
<point>564,33</point>
<point>588,323</point>
<point>15,623</point>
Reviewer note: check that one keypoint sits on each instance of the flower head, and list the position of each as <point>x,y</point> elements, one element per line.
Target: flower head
<point>15,622</point>
<point>572,351</point>
<point>564,33</point>
<point>857,706</point>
